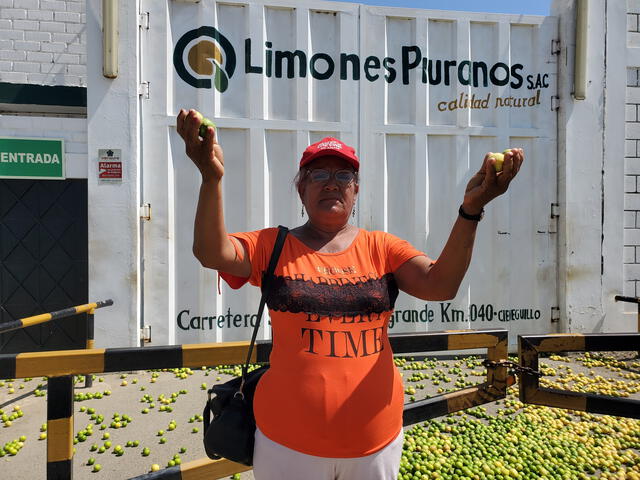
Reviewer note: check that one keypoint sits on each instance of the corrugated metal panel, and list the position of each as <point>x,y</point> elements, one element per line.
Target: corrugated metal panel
<point>417,152</point>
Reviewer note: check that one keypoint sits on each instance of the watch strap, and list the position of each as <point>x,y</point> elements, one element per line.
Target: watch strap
<point>466,216</point>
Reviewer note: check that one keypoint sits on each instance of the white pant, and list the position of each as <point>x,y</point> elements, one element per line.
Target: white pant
<point>272,461</point>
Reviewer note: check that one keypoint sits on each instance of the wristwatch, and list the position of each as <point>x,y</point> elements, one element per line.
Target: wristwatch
<point>466,216</point>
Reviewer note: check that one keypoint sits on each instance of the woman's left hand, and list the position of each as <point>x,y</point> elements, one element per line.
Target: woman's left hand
<point>487,184</point>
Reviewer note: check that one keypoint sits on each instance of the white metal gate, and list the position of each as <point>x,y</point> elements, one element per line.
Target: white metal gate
<point>423,149</point>
<point>423,95</point>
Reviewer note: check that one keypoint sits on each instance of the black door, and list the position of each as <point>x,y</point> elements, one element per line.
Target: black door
<point>43,261</point>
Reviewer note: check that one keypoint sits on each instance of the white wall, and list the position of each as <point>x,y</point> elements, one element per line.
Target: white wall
<point>112,114</point>
<point>591,177</point>
<point>613,172</point>
<point>632,157</point>
<point>43,42</point>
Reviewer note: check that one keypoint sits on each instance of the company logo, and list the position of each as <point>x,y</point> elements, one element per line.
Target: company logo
<point>204,54</point>
<point>331,144</point>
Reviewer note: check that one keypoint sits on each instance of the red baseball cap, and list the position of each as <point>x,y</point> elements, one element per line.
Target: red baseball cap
<point>330,146</point>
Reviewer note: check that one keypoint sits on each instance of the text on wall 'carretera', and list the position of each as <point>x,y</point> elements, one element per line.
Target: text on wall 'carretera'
<point>442,312</point>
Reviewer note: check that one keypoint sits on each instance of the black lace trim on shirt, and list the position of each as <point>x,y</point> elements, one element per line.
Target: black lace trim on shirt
<point>338,298</point>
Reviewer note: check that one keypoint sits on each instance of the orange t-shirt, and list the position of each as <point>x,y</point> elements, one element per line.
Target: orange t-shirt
<point>332,389</point>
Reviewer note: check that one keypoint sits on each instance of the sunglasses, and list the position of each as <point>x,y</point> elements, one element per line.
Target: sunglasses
<point>343,177</point>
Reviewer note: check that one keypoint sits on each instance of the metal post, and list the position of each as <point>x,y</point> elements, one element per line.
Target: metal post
<point>60,428</point>
<point>635,300</point>
<point>581,55</point>
<point>110,38</point>
<point>88,379</point>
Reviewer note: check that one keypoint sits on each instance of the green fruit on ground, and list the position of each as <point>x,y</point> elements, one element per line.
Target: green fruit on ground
<point>526,441</point>
<point>155,467</point>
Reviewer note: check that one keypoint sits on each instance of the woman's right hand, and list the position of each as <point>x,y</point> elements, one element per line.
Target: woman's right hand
<point>206,154</point>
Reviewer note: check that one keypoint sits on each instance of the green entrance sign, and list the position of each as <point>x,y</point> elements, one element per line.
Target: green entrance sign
<point>37,158</point>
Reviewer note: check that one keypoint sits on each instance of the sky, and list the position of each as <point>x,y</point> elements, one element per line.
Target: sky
<point>525,7</point>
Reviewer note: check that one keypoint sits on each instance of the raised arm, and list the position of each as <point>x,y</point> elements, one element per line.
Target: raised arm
<point>441,279</point>
<point>211,244</point>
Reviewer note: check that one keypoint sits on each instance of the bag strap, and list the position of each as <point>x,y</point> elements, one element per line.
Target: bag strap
<point>267,281</point>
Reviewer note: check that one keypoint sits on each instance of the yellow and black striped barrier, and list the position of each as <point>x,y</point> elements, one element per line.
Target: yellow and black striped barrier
<point>531,346</point>
<point>494,388</point>
<point>60,366</point>
<point>60,427</point>
<point>88,308</point>
<point>200,469</point>
<point>47,317</point>
<point>109,360</point>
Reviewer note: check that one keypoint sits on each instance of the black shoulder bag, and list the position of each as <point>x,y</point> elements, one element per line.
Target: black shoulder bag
<point>229,423</point>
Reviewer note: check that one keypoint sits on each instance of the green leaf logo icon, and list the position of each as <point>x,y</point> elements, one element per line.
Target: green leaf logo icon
<point>203,54</point>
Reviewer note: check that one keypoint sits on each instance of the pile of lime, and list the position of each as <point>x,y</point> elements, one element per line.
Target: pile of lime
<point>502,440</point>
<point>522,441</point>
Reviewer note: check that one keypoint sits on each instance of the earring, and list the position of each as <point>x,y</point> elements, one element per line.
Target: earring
<point>353,212</point>
<point>302,211</point>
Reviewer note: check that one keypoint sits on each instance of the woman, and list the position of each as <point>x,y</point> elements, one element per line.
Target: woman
<point>330,406</point>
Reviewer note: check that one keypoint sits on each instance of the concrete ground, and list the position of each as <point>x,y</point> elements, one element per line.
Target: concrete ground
<point>30,461</point>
